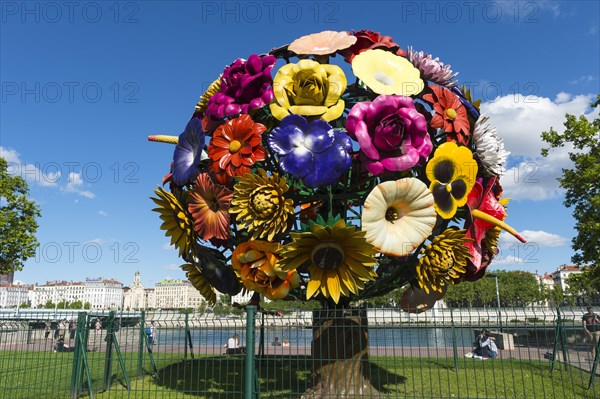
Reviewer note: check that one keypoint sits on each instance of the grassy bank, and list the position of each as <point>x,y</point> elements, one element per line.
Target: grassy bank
<point>37,374</point>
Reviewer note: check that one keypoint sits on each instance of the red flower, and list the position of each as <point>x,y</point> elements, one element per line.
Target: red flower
<point>235,146</point>
<point>486,201</point>
<point>450,114</point>
<point>209,205</point>
<point>367,40</point>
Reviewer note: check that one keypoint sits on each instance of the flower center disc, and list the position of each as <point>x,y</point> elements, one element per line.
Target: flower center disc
<point>328,256</point>
<point>451,113</point>
<point>392,214</point>
<point>261,203</point>
<point>234,146</point>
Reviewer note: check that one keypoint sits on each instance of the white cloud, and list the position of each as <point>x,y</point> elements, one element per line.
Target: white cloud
<point>537,237</point>
<point>520,121</point>
<point>75,184</point>
<point>172,266</point>
<point>582,79</point>
<point>95,241</point>
<point>167,246</point>
<point>32,173</point>
<point>594,29</point>
<point>47,175</point>
<point>102,213</point>
<point>507,260</point>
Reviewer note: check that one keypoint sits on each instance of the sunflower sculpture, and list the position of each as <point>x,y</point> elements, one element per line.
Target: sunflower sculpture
<point>293,183</point>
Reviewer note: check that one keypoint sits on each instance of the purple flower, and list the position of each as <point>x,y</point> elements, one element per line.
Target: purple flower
<point>188,152</point>
<point>313,152</point>
<point>245,85</point>
<point>391,133</point>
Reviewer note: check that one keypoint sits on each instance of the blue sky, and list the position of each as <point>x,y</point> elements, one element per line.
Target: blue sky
<point>84,83</point>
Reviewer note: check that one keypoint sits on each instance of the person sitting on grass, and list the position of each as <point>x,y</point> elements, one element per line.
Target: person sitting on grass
<point>485,346</point>
<point>60,345</point>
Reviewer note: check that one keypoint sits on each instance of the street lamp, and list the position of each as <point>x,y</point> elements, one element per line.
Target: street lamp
<point>498,298</point>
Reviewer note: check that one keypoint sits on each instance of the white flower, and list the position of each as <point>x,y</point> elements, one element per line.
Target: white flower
<point>398,216</point>
<point>431,68</point>
<point>489,147</point>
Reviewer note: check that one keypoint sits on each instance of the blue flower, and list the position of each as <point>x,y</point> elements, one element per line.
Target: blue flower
<point>188,152</point>
<point>315,152</point>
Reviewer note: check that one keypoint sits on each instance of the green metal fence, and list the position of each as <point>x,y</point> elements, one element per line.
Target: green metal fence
<point>543,353</point>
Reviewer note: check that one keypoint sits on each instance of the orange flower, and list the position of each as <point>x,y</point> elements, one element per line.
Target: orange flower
<point>323,43</point>
<point>450,114</point>
<point>209,205</point>
<point>255,262</point>
<point>235,146</point>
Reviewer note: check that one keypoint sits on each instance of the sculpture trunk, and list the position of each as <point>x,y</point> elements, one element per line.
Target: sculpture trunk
<point>340,355</point>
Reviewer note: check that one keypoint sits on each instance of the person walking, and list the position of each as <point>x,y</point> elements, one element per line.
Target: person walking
<point>47,325</point>
<point>591,327</point>
<point>72,329</point>
<point>98,325</point>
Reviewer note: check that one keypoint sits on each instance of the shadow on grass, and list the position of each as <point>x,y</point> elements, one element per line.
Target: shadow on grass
<point>280,376</point>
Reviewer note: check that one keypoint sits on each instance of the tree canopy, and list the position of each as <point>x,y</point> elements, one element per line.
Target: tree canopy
<point>517,288</point>
<point>18,223</point>
<point>582,185</point>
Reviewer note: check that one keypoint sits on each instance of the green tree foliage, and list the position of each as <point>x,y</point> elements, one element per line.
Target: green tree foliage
<point>75,305</point>
<point>583,286</point>
<point>24,305</point>
<point>517,288</point>
<point>18,223</point>
<point>582,185</point>
<point>87,305</point>
<point>49,304</point>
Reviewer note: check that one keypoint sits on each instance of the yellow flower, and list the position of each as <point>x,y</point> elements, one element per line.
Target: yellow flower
<point>339,259</point>
<point>177,222</point>
<point>200,282</point>
<point>443,260</point>
<point>309,89</point>
<point>213,89</point>
<point>452,172</point>
<point>255,262</point>
<point>260,205</point>
<point>398,216</point>
<point>387,73</point>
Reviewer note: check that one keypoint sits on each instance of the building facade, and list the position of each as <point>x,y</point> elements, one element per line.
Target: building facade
<point>13,295</point>
<point>100,293</point>
<point>176,294</point>
<point>562,274</point>
<point>134,298</point>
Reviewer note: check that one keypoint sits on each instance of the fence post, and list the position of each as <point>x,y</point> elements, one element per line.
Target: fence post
<point>109,347</point>
<point>454,344</point>
<point>141,345</point>
<point>188,335</point>
<point>76,369</point>
<point>594,366</point>
<point>250,340</point>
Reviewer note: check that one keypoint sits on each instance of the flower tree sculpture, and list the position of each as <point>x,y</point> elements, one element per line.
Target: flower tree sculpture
<point>293,184</point>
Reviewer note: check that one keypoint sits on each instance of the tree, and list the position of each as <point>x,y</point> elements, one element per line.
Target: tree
<point>87,305</point>
<point>24,305</point>
<point>517,288</point>
<point>461,295</point>
<point>18,223</point>
<point>75,305</point>
<point>582,187</point>
<point>49,304</point>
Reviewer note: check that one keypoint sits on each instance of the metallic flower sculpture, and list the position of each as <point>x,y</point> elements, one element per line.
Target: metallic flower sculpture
<point>317,189</point>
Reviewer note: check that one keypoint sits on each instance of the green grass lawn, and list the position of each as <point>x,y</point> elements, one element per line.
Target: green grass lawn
<point>37,374</point>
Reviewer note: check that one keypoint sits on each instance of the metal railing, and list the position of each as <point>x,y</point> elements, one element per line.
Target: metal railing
<point>543,353</point>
